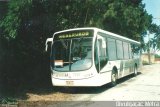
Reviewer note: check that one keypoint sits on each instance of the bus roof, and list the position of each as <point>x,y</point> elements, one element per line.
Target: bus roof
<point>100,30</point>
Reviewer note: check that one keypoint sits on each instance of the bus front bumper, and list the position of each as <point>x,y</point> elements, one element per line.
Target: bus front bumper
<point>93,81</point>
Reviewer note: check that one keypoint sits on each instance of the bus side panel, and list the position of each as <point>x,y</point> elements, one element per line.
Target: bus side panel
<point>107,69</point>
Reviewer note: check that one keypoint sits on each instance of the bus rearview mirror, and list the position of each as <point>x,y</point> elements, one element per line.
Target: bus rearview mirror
<point>49,40</point>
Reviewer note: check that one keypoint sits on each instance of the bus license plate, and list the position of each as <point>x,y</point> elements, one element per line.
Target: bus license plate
<point>70,83</point>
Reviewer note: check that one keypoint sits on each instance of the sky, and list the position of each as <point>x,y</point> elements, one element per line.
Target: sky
<point>153,7</point>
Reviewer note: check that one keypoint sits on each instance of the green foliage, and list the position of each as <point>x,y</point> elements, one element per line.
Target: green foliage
<point>11,23</point>
<point>46,16</point>
<point>127,18</point>
<point>155,42</point>
<point>9,101</point>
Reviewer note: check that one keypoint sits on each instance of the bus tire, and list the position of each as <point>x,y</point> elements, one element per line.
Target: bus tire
<point>114,78</point>
<point>135,70</point>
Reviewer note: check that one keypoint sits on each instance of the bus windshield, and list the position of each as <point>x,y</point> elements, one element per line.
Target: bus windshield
<point>72,54</point>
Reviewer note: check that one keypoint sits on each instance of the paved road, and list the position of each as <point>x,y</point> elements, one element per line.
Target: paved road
<point>143,87</point>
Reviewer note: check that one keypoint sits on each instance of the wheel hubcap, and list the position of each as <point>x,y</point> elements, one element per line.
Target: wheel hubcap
<point>114,77</point>
<point>135,71</point>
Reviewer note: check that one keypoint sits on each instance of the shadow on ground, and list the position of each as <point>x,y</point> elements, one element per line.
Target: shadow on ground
<point>21,94</point>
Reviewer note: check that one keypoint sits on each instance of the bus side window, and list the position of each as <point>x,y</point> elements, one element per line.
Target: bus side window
<point>130,51</point>
<point>126,50</point>
<point>112,49</point>
<point>119,49</point>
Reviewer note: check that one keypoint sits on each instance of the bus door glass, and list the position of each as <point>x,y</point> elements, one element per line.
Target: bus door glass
<point>100,52</point>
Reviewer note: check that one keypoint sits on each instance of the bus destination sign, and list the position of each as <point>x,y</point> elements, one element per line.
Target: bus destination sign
<point>73,34</point>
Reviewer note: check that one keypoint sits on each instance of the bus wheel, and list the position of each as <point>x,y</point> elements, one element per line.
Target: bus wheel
<point>135,70</point>
<point>114,78</point>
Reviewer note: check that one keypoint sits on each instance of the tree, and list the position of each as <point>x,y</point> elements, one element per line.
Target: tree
<point>56,15</point>
<point>128,18</point>
<point>155,42</point>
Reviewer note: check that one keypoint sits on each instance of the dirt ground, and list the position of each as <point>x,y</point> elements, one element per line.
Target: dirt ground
<point>49,97</point>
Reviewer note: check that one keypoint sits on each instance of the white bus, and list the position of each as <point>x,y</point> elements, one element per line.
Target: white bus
<point>91,57</point>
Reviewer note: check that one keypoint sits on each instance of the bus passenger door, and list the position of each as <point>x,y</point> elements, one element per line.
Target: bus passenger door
<point>100,53</point>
